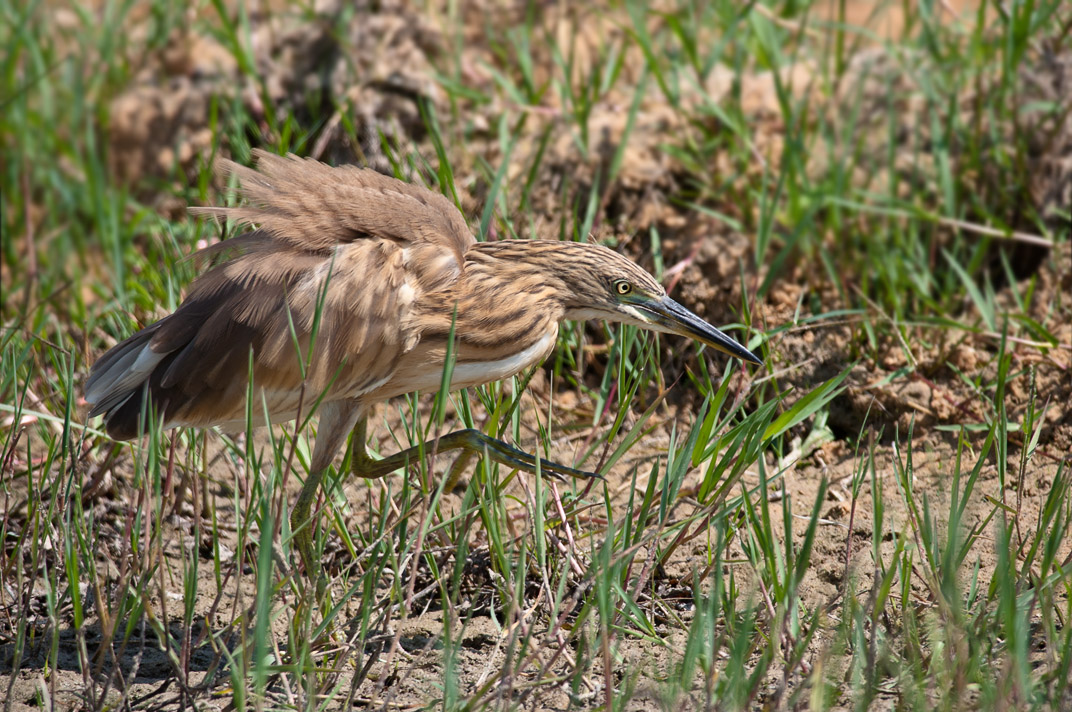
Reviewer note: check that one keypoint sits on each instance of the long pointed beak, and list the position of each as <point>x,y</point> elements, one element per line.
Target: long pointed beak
<point>669,316</point>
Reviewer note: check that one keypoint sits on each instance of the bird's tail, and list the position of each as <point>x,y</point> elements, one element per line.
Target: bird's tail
<point>117,383</point>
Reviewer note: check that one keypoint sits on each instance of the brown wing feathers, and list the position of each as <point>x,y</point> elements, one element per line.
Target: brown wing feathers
<point>312,221</point>
<point>315,207</point>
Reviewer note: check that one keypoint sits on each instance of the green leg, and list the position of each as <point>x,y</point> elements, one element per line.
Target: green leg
<point>302,528</point>
<point>473,442</point>
<point>334,423</point>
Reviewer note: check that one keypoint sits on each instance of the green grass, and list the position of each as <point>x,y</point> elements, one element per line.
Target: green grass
<point>892,217</point>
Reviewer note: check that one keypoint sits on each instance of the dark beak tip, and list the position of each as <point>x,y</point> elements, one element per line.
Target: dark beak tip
<point>692,326</point>
<point>745,355</point>
<point>751,357</point>
<point>738,350</point>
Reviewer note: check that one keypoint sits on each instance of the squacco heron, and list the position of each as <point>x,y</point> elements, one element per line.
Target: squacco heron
<point>346,293</point>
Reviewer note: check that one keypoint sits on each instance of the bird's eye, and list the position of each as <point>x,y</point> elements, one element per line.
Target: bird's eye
<point>623,287</point>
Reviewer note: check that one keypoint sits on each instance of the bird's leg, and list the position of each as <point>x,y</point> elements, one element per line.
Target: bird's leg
<point>336,420</point>
<point>360,461</point>
<point>473,442</point>
<point>454,474</point>
<point>302,528</point>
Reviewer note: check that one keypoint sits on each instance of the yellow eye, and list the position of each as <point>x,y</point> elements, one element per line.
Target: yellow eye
<point>623,287</point>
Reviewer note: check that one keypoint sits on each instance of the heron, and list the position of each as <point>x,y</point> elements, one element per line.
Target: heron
<point>348,289</point>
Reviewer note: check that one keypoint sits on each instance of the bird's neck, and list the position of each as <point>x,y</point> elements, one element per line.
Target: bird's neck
<point>522,273</point>
<point>502,304</point>
<point>508,296</point>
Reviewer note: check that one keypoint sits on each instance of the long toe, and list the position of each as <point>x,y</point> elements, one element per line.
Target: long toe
<point>561,470</point>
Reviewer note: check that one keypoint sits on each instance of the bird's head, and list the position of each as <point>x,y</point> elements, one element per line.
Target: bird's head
<point>605,285</point>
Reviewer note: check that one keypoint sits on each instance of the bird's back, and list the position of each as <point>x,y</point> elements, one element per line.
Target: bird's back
<point>337,253</point>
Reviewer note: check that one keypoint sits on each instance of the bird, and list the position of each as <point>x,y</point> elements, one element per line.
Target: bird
<point>347,289</point>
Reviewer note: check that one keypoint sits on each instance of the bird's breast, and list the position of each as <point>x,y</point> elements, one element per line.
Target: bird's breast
<point>422,368</point>
<point>472,373</point>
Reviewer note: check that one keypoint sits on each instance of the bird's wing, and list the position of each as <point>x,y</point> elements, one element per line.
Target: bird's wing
<point>314,302</point>
<point>315,207</point>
